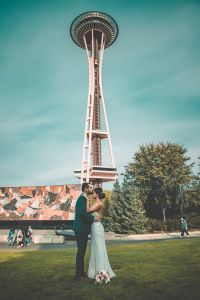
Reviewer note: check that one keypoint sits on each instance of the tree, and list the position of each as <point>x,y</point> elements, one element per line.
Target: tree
<point>133,217</point>
<point>126,211</point>
<point>192,194</point>
<point>157,171</point>
<point>113,210</point>
<point>106,205</point>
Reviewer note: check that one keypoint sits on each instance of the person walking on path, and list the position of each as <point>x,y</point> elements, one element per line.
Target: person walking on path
<point>184,227</point>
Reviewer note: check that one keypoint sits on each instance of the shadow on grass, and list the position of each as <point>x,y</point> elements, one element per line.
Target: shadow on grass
<point>162,270</point>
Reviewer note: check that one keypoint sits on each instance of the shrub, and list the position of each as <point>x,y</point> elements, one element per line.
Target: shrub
<point>193,221</point>
<point>154,225</point>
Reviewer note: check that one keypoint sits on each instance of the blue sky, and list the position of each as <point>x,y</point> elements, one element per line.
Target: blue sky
<point>151,82</point>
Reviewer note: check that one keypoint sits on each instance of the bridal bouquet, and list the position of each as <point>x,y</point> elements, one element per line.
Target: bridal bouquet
<point>102,276</point>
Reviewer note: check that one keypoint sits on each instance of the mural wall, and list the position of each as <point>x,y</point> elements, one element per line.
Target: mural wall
<point>39,202</point>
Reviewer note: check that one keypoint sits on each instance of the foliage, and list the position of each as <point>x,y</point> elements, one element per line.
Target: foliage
<point>133,218</point>
<point>157,170</point>
<point>160,178</point>
<point>192,196</point>
<point>108,194</point>
<point>113,210</point>
<point>193,220</point>
<point>106,205</point>
<point>125,211</point>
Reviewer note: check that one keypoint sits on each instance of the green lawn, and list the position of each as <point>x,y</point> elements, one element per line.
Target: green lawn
<point>151,270</point>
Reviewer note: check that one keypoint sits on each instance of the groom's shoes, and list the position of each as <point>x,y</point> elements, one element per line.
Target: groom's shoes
<point>85,275</point>
<point>81,277</point>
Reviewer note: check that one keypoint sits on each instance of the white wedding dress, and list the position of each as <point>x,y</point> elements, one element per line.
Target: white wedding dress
<point>98,253</point>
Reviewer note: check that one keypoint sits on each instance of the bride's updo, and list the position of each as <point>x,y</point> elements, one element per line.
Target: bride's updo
<point>98,190</point>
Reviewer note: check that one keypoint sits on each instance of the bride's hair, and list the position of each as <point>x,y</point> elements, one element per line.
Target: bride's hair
<point>98,190</point>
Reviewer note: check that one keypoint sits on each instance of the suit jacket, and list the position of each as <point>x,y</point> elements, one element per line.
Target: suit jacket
<point>82,220</point>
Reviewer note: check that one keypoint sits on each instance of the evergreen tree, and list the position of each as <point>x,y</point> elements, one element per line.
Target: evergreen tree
<point>106,212</point>
<point>125,212</point>
<point>112,215</point>
<point>133,217</point>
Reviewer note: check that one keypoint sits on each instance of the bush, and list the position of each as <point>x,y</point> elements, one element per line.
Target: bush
<point>154,225</point>
<point>193,221</point>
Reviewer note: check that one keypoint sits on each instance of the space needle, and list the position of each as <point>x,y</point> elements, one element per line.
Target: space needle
<point>94,31</point>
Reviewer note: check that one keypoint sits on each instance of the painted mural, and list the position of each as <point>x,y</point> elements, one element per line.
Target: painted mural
<point>55,202</point>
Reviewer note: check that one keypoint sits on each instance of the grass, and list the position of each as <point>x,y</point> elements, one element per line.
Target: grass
<point>151,270</point>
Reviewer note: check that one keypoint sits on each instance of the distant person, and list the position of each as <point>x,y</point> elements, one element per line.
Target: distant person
<point>184,227</point>
<point>30,229</point>
<point>20,239</point>
<point>14,241</point>
<point>27,236</point>
<point>82,227</point>
<point>10,237</point>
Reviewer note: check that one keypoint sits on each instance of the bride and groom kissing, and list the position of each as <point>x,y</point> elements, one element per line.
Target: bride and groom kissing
<point>87,220</point>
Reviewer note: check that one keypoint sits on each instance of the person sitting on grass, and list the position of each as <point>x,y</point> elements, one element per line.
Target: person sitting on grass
<point>20,239</point>
<point>14,241</point>
<point>27,236</point>
<point>11,236</point>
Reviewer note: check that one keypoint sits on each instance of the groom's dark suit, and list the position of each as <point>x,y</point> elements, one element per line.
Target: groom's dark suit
<point>81,227</point>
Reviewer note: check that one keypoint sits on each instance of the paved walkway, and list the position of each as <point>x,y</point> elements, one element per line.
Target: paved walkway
<point>111,239</point>
<point>156,236</point>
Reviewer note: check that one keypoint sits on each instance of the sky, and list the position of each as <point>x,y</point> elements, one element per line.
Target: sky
<point>151,83</point>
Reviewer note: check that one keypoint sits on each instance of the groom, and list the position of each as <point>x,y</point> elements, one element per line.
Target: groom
<point>81,227</point>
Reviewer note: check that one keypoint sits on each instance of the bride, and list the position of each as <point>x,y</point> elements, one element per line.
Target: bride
<point>98,255</point>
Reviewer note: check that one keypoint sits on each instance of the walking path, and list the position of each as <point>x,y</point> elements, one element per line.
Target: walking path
<point>111,239</point>
<point>156,236</point>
